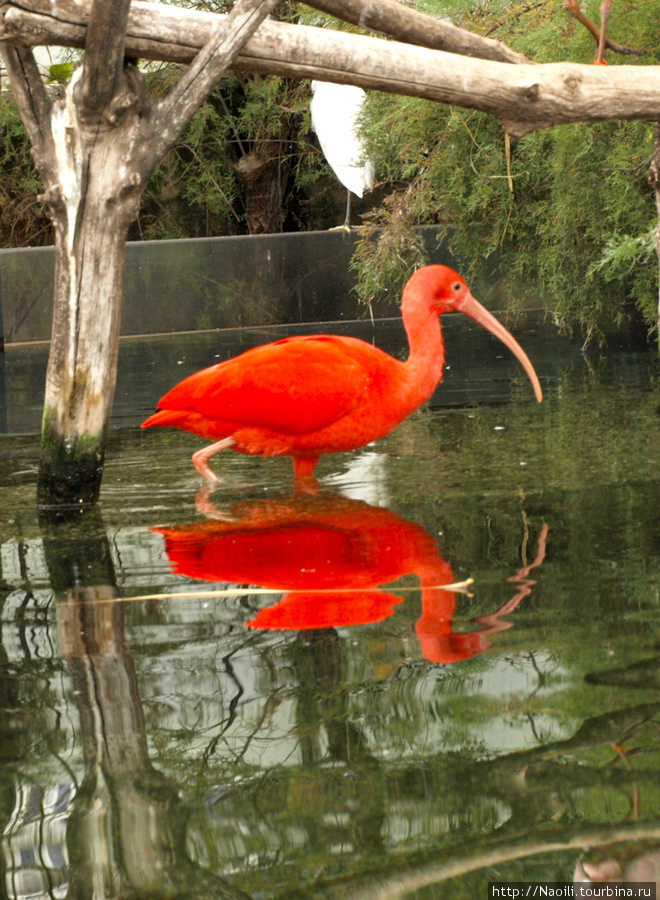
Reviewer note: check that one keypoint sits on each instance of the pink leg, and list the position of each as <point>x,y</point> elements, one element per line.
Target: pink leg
<point>202,457</point>
<point>303,468</point>
<point>304,465</point>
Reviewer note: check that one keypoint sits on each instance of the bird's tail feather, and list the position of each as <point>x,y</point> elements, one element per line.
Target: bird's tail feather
<point>172,417</point>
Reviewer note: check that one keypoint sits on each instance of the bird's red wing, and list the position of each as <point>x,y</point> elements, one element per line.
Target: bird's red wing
<point>294,386</point>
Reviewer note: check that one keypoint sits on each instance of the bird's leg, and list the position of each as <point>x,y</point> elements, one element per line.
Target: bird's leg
<point>599,34</point>
<point>206,507</point>
<point>347,221</point>
<point>605,13</point>
<point>303,470</point>
<point>572,7</point>
<point>201,458</point>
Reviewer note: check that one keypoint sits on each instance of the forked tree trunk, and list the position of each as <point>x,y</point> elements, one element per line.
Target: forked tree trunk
<point>95,151</point>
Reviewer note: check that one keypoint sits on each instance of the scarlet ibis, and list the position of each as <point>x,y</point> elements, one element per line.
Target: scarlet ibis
<point>330,554</point>
<point>305,396</point>
<point>335,109</point>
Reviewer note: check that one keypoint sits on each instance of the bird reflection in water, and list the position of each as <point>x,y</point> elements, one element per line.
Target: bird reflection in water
<point>330,555</point>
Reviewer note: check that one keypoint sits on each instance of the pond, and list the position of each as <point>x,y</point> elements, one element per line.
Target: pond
<point>441,671</point>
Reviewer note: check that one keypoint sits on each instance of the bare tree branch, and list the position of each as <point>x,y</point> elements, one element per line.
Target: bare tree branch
<point>30,94</point>
<point>104,55</point>
<point>387,17</point>
<point>203,75</point>
<point>524,97</point>
<point>411,27</point>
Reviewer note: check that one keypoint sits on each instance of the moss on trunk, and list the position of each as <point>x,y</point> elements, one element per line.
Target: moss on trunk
<point>70,471</point>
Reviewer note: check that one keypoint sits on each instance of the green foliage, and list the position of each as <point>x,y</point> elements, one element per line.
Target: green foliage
<point>23,218</point>
<point>61,72</point>
<point>202,187</point>
<point>562,217</point>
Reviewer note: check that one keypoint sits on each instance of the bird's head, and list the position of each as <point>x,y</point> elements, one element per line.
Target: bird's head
<point>439,289</point>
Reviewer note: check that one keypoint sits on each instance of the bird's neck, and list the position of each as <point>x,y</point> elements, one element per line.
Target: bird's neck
<point>427,349</point>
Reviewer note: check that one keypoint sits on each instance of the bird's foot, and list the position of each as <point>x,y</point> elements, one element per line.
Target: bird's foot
<point>303,475</point>
<point>345,227</point>
<point>306,484</point>
<point>201,459</point>
<point>208,508</point>
<point>200,462</point>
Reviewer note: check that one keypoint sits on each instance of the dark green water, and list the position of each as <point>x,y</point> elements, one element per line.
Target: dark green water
<point>154,743</point>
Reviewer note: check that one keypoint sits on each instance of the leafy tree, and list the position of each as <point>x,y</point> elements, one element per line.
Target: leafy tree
<point>565,213</point>
<point>245,164</point>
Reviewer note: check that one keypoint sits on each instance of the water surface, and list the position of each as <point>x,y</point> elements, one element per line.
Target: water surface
<point>250,693</point>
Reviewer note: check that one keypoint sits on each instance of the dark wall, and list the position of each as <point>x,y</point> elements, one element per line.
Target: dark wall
<point>191,285</point>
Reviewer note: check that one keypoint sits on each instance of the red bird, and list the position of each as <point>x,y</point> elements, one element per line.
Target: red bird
<point>305,396</point>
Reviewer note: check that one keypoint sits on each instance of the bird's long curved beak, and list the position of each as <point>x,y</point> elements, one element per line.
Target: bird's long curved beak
<point>472,308</point>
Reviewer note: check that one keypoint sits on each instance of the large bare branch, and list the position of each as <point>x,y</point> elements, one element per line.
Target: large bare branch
<point>399,884</point>
<point>30,93</point>
<point>203,75</point>
<point>411,27</point>
<point>387,17</point>
<point>104,56</point>
<point>524,97</point>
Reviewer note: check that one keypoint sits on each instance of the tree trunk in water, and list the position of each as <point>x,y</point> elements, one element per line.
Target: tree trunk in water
<point>92,207</point>
<point>82,364</point>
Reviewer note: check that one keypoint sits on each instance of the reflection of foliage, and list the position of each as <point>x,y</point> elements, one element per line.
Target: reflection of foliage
<point>30,702</point>
<point>416,760</point>
<point>331,756</point>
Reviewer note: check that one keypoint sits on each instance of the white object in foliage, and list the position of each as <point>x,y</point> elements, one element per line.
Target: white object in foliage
<point>335,109</point>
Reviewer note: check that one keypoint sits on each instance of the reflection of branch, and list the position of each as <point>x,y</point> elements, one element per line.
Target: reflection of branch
<point>271,704</point>
<point>400,885</point>
<point>233,703</point>
<point>509,778</point>
<point>492,620</point>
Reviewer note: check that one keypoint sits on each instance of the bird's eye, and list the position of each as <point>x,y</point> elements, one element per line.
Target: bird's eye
<point>456,286</point>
